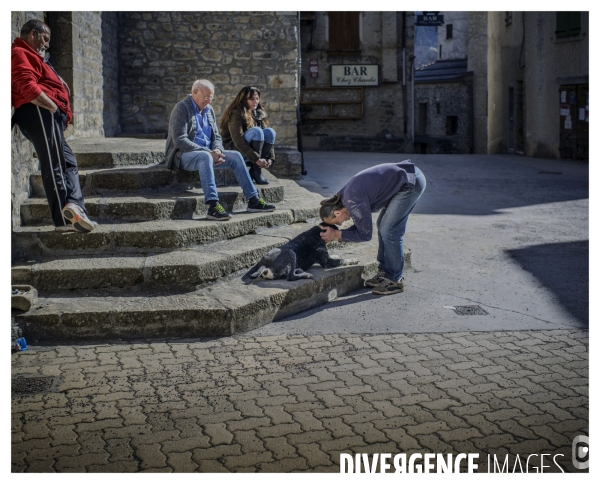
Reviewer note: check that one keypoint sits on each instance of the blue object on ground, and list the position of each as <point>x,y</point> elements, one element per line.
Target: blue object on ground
<point>22,344</point>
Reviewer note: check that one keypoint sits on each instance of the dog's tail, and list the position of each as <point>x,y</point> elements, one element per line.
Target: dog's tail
<point>254,272</point>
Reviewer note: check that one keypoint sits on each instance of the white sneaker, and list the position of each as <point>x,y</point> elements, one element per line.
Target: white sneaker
<point>78,218</point>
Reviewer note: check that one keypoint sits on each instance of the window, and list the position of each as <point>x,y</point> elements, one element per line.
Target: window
<point>449,31</point>
<point>440,51</point>
<point>451,125</point>
<point>568,24</point>
<point>344,31</point>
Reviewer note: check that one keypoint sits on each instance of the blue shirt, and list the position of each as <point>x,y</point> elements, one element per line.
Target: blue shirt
<point>203,128</point>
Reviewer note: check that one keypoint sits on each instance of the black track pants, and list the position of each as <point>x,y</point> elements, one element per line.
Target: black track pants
<point>58,164</point>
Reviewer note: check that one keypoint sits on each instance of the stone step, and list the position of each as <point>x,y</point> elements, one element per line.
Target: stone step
<point>113,152</point>
<point>139,178</point>
<point>227,307</point>
<point>180,269</point>
<point>162,235</point>
<point>154,206</point>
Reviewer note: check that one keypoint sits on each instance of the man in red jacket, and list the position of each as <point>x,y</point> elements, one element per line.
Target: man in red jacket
<point>42,112</point>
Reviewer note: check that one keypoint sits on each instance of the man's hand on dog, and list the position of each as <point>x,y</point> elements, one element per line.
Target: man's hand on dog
<point>328,234</point>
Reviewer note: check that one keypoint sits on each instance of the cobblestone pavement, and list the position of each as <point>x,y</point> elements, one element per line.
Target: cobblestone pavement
<point>294,403</point>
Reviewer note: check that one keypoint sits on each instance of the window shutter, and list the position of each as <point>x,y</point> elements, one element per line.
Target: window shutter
<point>344,30</point>
<point>574,23</point>
<point>562,24</point>
<point>568,24</point>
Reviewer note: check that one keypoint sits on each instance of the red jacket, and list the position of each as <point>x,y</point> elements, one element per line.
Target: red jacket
<point>31,75</point>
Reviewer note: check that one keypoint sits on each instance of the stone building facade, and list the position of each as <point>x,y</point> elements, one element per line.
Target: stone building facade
<point>530,65</point>
<point>444,94</point>
<point>443,102</point>
<point>339,118</point>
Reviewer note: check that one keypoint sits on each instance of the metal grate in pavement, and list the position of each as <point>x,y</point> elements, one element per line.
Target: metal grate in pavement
<point>470,310</point>
<point>30,385</point>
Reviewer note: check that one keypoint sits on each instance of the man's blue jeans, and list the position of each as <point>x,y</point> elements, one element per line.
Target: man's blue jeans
<point>203,162</point>
<point>391,225</point>
<point>267,135</point>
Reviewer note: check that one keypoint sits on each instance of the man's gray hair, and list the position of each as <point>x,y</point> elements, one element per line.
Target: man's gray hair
<point>203,83</point>
<point>34,24</point>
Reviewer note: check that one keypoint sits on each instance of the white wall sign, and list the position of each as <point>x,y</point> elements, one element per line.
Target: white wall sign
<point>355,75</point>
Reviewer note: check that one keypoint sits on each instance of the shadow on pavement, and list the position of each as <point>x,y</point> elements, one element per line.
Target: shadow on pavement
<point>464,184</point>
<point>564,269</point>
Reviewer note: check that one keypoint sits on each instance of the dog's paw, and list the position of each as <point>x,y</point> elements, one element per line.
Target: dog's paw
<point>350,262</point>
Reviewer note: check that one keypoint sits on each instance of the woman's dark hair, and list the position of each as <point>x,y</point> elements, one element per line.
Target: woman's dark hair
<point>240,103</point>
<point>329,205</point>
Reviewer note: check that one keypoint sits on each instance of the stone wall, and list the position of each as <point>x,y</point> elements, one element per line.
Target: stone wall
<point>386,111</point>
<point>110,73</point>
<point>456,46</point>
<point>23,162</point>
<point>88,103</point>
<point>444,100</point>
<point>163,53</point>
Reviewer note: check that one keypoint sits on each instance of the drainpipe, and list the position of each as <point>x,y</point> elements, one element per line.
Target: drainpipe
<point>472,130</point>
<point>298,126</point>
<point>404,100</point>
<point>412,86</point>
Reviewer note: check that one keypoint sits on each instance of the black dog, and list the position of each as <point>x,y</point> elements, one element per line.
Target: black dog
<point>291,260</point>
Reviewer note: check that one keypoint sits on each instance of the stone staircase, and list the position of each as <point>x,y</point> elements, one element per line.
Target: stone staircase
<point>155,267</point>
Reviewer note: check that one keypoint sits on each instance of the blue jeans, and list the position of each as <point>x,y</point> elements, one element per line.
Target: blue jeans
<point>267,135</point>
<point>203,162</point>
<point>391,225</point>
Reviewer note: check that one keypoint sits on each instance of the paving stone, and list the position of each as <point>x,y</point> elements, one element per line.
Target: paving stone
<point>246,460</point>
<point>120,466</point>
<point>280,448</point>
<point>218,434</point>
<point>53,452</point>
<point>186,444</point>
<point>41,466</point>
<point>285,465</point>
<point>181,462</point>
<point>307,421</point>
<point>79,463</point>
<point>279,430</point>
<point>249,441</point>
<point>277,414</point>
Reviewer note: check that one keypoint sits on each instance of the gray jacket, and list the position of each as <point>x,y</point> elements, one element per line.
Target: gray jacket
<point>182,132</point>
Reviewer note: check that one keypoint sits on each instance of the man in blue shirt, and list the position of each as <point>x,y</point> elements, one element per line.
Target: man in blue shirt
<point>194,143</point>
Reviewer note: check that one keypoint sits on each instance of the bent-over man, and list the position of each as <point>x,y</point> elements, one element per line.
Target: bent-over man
<point>194,143</point>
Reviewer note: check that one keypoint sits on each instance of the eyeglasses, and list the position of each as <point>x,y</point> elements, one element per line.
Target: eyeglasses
<point>209,98</point>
